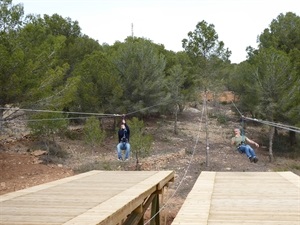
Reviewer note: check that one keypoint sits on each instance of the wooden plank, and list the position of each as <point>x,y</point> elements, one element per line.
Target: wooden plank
<point>166,177</point>
<point>253,197</point>
<point>83,199</point>
<point>45,186</point>
<point>291,177</point>
<point>195,209</point>
<point>126,201</point>
<point>244,198</point>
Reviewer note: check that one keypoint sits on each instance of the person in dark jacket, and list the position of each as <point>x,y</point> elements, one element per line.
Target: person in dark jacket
<point>123,136</point>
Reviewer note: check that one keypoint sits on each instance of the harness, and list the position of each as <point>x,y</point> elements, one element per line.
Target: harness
<point>243,142</point>
<point>124,140</point>
<point>242,131</point>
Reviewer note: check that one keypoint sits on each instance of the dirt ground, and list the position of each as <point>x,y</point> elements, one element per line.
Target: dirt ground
<point>185,153</point>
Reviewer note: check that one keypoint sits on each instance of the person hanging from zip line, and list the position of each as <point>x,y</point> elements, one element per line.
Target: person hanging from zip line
<point>240,142</point>
<point>123,136</point>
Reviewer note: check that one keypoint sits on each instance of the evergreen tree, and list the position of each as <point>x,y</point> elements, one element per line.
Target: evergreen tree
<point>99,87</point>
<point>207,54</point>
<point>141,69</point>
<point>175,87</point>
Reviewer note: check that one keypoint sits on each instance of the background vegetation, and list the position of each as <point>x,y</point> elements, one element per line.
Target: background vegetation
<point>46,63</point>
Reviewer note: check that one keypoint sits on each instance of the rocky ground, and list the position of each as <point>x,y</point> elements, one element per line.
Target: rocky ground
<point>185,153</point>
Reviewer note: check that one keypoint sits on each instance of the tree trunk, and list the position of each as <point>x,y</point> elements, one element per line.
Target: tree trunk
<point>292,137</point>
<point>275,131</point>
<point>271,136</point>
<point>101,123</point>
<point>137,164</point>
<point>206,130</point>
<point>115,124</point>
<point>1,117</point>
<point>176,117</point>
<point>181,107</point>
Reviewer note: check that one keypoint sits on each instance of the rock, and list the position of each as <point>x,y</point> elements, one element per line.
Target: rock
<point>3,184</point>
<point>39,153</point>
<point>37,161</point>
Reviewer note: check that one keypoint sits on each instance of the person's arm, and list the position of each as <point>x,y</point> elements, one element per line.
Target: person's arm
<point>126,126</point>
<point>233,141</point>
<point>119,136</point>
<point>252,142</point>
<point>128,131</point>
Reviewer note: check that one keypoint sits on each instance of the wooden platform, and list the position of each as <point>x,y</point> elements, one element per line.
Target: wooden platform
<point>96,197</point>
<point>242,198</point>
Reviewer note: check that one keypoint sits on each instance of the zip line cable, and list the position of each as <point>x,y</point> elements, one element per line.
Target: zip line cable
<point>186,170</point>
<point>237,109</point>
<point>99,115</point>
<point>278,125</point>
<point>163,103</point>
<point>56,119</point>
<point>61,118</point>
<point>62,112</point>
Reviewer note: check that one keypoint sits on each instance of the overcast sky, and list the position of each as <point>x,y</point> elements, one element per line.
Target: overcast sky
<point>167,22</point>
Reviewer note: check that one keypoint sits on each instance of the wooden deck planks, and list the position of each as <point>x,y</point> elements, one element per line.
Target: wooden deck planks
<point>109,215</point>
<point>242,198</point>
<point>88,198</point>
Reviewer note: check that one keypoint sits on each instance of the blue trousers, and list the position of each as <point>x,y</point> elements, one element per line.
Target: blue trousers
<point>123,146</point>
<point>247,150</point>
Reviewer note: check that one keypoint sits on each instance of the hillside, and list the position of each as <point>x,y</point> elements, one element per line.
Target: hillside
<point>184,153</point>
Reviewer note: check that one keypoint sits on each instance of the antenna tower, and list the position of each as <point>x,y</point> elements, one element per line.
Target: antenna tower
<point>131,29</point>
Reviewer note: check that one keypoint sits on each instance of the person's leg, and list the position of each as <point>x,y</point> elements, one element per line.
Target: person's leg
<point>119,151</point>
<point>253,155</point>
<point>252,152</point>
<point>242,149</point>
<point>245,149</point>
<point>127,153</point>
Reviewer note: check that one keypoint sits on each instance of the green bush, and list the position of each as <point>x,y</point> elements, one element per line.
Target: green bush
<point>47,124</point>
<point>55,153</point>
<point>96,165</point>
<point>222,119</point>
<point>140,141</point>
<point>72,134</point>
<point>93,135</point>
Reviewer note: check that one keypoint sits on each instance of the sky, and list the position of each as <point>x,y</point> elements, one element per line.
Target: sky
<point>237,22</point>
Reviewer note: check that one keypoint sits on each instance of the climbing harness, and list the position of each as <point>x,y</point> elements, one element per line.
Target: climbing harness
<point>243,131</point>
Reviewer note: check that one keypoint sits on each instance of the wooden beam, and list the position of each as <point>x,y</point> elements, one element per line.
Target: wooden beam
<point>136,218</point>
<point>155,211</point>
<point>165,179</point>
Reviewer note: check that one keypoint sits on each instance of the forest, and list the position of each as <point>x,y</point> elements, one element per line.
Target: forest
<point>47,63</point>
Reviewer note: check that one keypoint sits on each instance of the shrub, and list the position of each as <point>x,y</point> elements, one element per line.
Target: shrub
<point>139,141</point>
<point>47,124</point>
<point>96,165</point>
<point>55,153</point>
<point>222,119</point>
<point>93,135</point>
